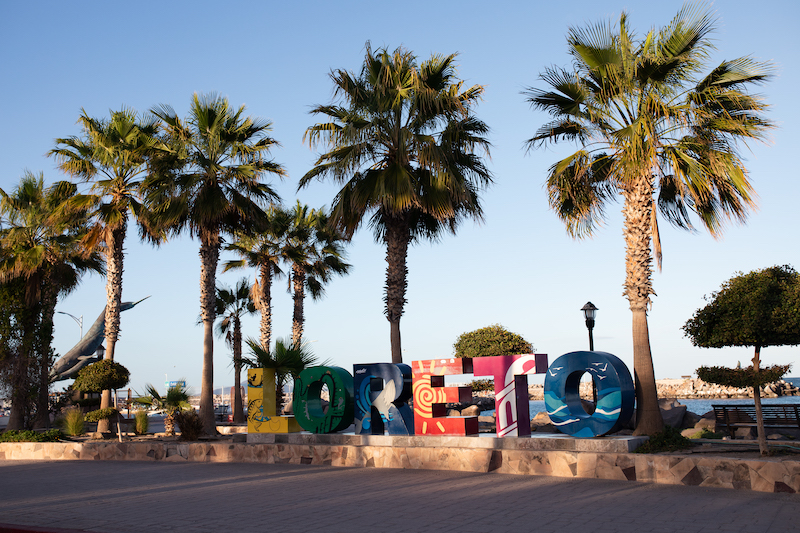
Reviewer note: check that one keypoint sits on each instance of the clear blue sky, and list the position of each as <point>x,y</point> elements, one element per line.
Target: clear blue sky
<point>519,268</point>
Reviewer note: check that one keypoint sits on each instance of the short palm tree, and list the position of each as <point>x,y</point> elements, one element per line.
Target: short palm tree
<point>232,305</point>
<point>315,252</point>
<point>262,250</point>
<point>113,156</point>
<point>40,239</point>
<point>176,399</point>
<point>403,146</point>
<point>287,359</point>
<point>215,187</point>
<point>657,133</point>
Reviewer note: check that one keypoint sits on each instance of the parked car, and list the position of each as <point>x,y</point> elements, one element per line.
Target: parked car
<point>223,413</point>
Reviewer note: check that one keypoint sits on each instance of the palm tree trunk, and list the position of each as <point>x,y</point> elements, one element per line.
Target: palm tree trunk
<point>264,303</point>
<point>209,258</point>
<point>238,408</point>
<point>762,434</point>
<point>638,288</point>
<point>298,294</point>
<point>114,266</point>
<point>397,239</point>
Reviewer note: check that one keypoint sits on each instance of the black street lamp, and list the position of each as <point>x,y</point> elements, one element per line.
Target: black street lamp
<point>589,311</point>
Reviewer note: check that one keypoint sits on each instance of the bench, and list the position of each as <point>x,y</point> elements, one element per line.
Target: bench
<point>740,416</point>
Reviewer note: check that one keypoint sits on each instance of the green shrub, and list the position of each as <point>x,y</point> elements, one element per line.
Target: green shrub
<point>101,414</point>
<point>706,433</point>
<point>482,385</point>
<point>14,435</point>
<point>102,375</point>
<point>491,340</point>
<point>668,440</point>
<point>73,422</point>
<point>189,423</point>
<point>142,423</point>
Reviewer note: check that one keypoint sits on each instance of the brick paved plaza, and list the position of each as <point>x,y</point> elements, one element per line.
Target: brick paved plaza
<point>113,496</point>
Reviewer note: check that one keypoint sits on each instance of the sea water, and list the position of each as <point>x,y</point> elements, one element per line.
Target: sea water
<point>700,406</point>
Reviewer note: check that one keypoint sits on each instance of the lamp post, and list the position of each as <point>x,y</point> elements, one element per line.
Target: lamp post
<point>76,319</point>
<point>589,311</point>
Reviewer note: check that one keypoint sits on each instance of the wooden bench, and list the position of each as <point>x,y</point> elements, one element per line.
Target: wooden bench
<point>739,416</point>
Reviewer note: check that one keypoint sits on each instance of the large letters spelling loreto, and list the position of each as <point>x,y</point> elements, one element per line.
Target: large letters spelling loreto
<point>377,399</point>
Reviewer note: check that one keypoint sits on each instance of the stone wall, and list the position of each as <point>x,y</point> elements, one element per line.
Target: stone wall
<point>511,456</point>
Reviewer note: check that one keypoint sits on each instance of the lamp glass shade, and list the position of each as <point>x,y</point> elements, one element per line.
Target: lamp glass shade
<point>589,311</point>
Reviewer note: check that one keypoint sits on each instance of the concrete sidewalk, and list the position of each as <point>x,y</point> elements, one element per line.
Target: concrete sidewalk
<point>111,496</point>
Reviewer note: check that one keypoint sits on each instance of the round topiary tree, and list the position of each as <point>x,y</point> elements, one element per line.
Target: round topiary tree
<point>102,375</point>
<point>758,309</point>
<point>491,340</point>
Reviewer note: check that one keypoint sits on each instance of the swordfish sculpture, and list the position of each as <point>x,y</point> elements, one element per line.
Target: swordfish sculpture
<point>84,353</point>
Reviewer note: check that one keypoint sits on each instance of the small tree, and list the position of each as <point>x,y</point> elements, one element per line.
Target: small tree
<point>491,340</point>
<point>174,402</point>
<point>100,376</point>
<point>761,308</point>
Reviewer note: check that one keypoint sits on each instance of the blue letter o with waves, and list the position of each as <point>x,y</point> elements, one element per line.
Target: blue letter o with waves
<point>615,394</point>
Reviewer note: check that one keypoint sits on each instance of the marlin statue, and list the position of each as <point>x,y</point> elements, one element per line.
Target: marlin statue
<point>84,353</point>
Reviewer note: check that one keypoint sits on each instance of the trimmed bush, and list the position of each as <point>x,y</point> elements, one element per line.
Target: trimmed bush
<point>101,414</point>
<point>102,375</point>
<point>489,341</point>
<point>53,435</point>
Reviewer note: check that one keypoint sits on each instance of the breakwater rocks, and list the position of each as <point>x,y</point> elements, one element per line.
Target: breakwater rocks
<point>692,389</point>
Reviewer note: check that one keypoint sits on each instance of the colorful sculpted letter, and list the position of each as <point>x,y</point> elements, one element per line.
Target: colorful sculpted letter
<point>511,389</point>
<point>261,416</point>
<point>615,394</point>
<point>308,402</point>
<point>382,391</point>
<point>430,397</point>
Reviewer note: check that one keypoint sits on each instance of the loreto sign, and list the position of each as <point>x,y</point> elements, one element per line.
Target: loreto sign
<point>375,397</point>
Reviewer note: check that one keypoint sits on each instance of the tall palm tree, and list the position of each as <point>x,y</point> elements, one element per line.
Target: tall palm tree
<point>262,250</point>
<point>215,188</point>
<point>657,133</point>
<point>315,252</point>
<point>403,146</point>
<point>41,244</point>
<point>113,156</point>
<point>232,305</point>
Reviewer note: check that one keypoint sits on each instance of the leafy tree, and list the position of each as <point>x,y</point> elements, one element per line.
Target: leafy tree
<point>176,399</point>
<point>212,187</point>
<point>654,131</point>
<point>100,376</point>
<point>113,155</point>
<point>491,340</point>
<point>759,309</point>
<point>262,250</point>
<point>232,305</point>
<point>315,252</point>
<point>287,359</point>
<point>402,144</point>
<point>40,243</point>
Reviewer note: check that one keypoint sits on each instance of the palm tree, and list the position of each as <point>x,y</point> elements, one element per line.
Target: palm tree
<point>262,250</point>
<point>41,244</point>
<point>315,252</point>
<point>216,188</point>
<point>655,132</point>
<point>113,156</point>
<point>288,360</point>
<point>176,399</point>
<point>403,146</point>
<point>232,305</point>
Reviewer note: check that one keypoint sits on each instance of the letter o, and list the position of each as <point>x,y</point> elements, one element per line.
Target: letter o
<point>307,406</point>
<point>615,394</point>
